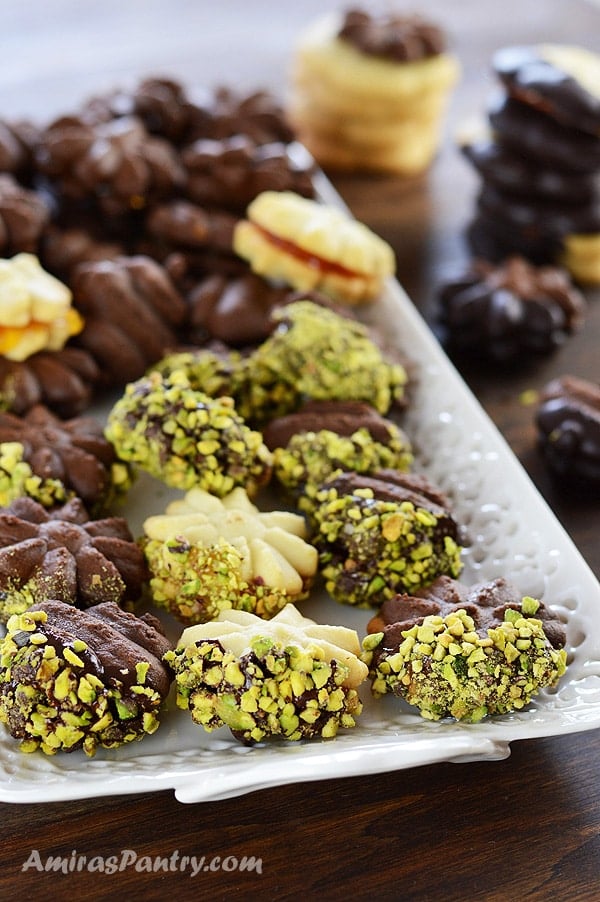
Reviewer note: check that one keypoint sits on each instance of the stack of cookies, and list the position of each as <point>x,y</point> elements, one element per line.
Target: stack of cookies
<point>369,93</point>
<point>539,160</point>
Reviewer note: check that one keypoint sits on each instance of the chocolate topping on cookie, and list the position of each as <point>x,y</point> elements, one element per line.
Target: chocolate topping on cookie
<point>73,679</point>
<point>511,309</point>
<point>540,76</point>
<point>568,421</point>
<point>394,37</point>
<point>485,602</point>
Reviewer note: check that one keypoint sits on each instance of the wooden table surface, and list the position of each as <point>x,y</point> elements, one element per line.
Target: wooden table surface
<point>526,827</point>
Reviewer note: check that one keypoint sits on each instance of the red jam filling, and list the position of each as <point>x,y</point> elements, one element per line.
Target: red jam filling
<point>307,257</point>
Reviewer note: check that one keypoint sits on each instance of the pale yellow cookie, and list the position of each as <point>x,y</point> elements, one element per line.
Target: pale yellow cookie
<point>358,111</point>
<point>340,65</point>
<point>313,246</point>
<point>581,256</point>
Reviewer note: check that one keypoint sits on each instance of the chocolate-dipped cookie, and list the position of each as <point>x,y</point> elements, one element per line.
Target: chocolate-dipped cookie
<point>464,652</point>
<point>560,81</point>
<point>72,679</point>
<point>325,437</point>
<point>383,533</point>
<point>59,459</point>
<point>185,438</point>
<point>509,311</point>
<point>568,424</point>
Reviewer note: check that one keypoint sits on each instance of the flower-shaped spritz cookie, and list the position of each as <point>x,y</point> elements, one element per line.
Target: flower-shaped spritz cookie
<point>288,677</point>
<point>208,554</point>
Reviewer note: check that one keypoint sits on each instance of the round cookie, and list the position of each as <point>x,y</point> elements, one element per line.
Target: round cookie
<point>288,678</point>
<point>562,81</point>
<point>313,246</point>
<point>369,91</point>
<point>186,438</point>
<point>539,137</point>
<point>313,353</point>
<point>464,652</point>
<point>568,424</point>
<point>73,679</point>
<point>509,311</point>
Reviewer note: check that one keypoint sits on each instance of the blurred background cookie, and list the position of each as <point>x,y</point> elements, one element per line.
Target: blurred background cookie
<point>369,91</point>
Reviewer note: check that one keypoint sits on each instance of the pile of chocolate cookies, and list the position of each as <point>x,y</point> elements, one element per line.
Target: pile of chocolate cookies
<point>539,160</point>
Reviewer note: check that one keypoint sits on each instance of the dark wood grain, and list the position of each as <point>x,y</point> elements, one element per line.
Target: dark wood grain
<point>526,827</point>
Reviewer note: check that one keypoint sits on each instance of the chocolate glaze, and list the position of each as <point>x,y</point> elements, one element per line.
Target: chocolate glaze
<point>539,137</point>
<point>509,171</point>
<point>544,86</point>
<point>400,38</point>
<point>116,641</point>
<point>568,422</point>
<point>485,602</point>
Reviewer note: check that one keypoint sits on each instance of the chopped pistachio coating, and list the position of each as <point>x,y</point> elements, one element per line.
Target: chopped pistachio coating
<point>371,549</point>
<point>213,373</point>
<point>17,480</point>
<point>314,353</point>
<point>288,678</point>
<point>311,458</point>
<point>50,700</point>
<point>207,555</point>
<point>447,668</point>
<point>186,438</point>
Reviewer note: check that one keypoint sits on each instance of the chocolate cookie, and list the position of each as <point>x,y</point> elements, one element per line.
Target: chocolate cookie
<point>464,652</point>
<point>73,679</point>
<point>62,554</point>
<point>539,137</point>
<point>383,533</point>
<point>326,437</point>
<point>555,80</point>
<point>568,423</point>
<point>509,311</point>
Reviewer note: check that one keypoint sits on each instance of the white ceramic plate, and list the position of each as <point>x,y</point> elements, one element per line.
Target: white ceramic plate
<point>513,533</point>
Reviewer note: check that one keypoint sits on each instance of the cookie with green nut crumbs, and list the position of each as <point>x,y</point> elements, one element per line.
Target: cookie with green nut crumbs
<point>455,651</point>
<point>53,460</point>
<point>327,437</point>
<point>381,534</point>
<point>313,353</point>
<point>207,555</point>
<point>287,678</point>
<point>186,438</point>
<point>72,679</point>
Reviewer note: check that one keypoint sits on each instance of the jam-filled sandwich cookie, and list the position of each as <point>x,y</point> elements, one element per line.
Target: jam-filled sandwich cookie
<point>72,679</point>
<point>369,91</point>
<point>313,246</point>
<point>464,652</point>
<point>287,678</point>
